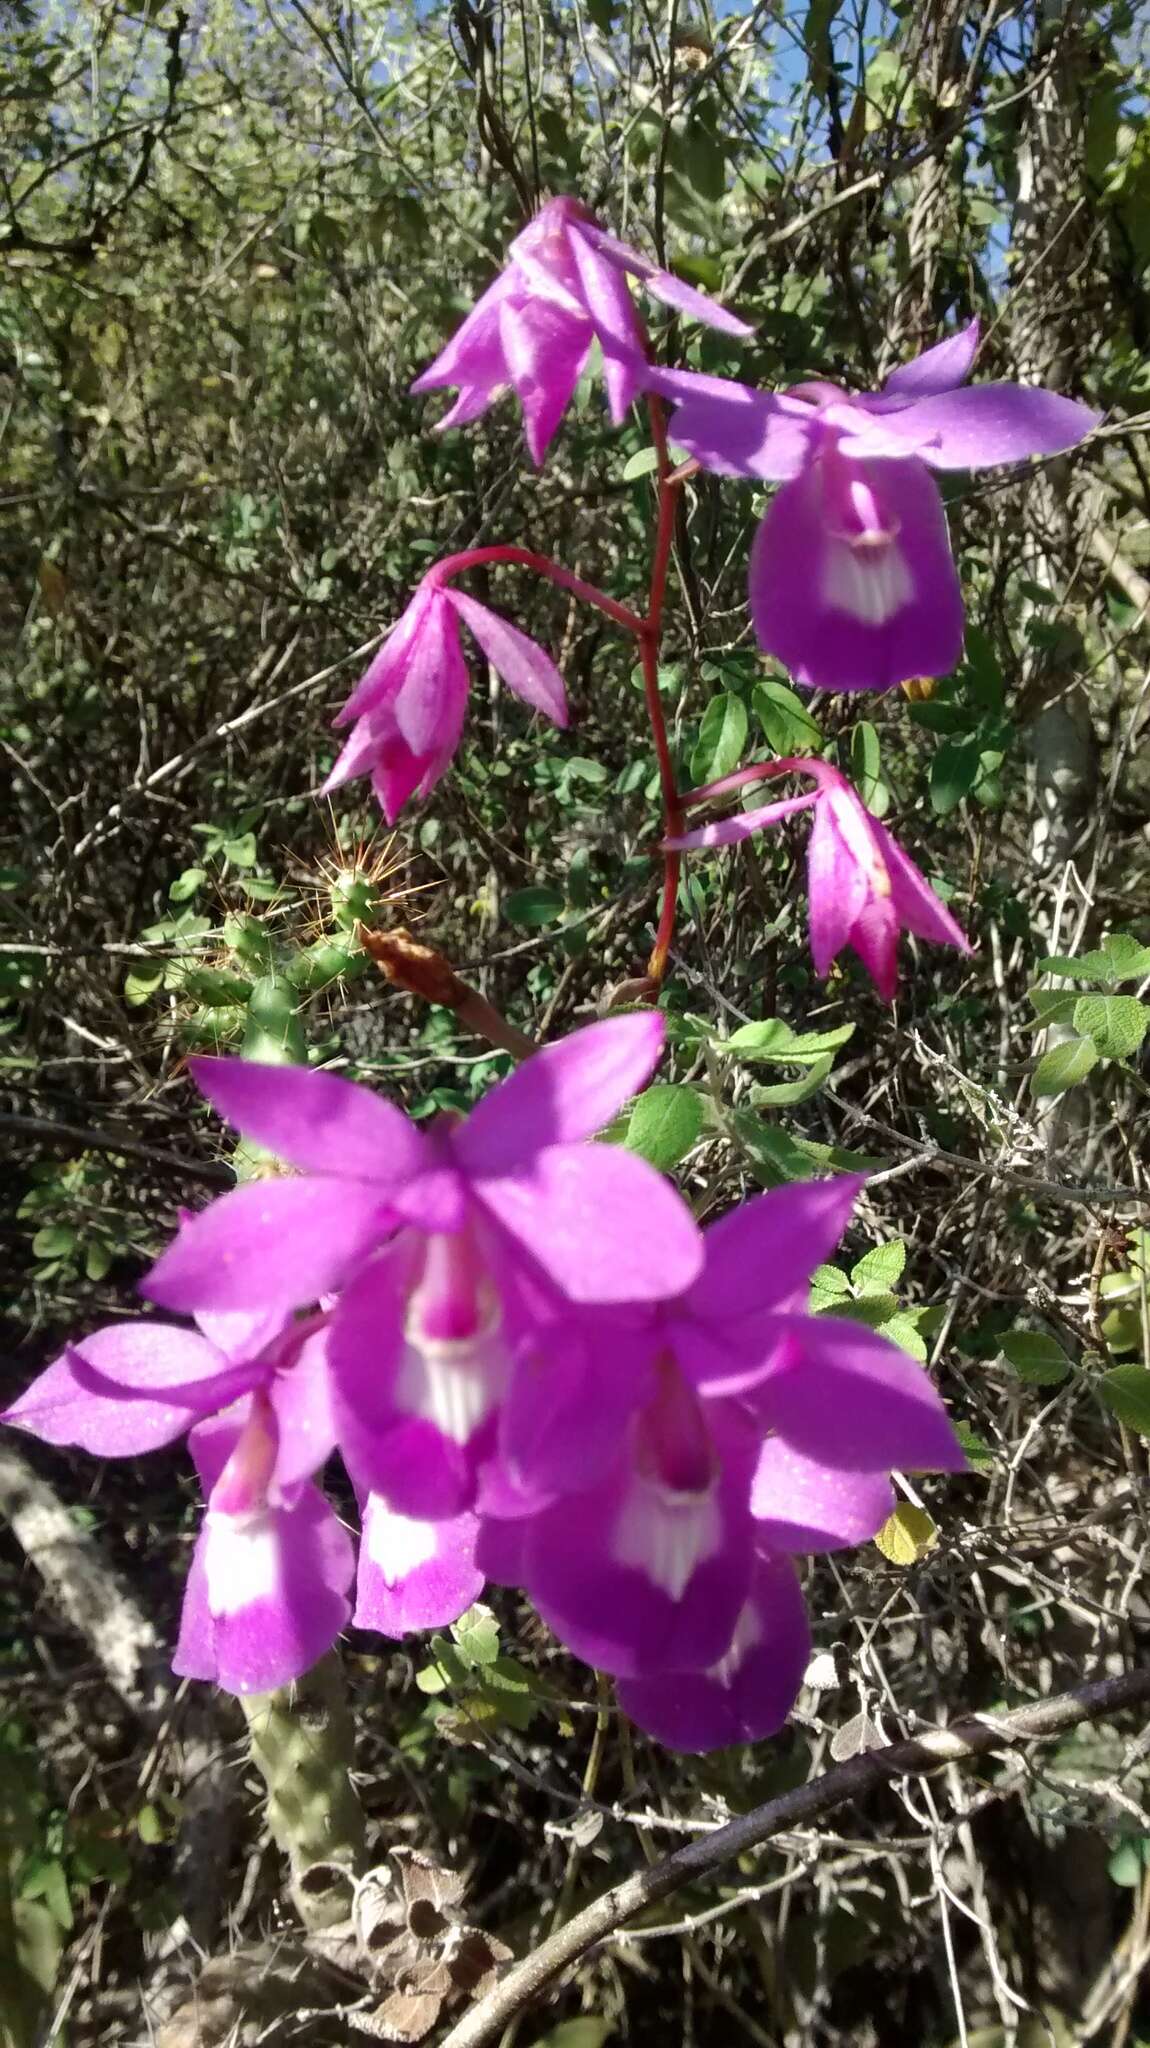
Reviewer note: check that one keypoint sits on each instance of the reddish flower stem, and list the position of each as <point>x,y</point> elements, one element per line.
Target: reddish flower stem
<point>648,631</point>
<point>526,558</point>
<point>650,637</point>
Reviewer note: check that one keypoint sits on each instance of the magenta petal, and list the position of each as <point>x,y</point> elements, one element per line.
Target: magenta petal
<point>990,423</point>
<point>916,906</point>
<point>749,1693</point>
<point>315,1121</point>
<point>845,1395</point>
<point>388,666</point>
<point>940,368</point>
<point>472,356</point>
<point>837,890</point>
<point>269,1244</point>
<point>764,1251</point>
<point>414,1575</point>
<point>683,298</point>
<point>432,698</point>
<point>567,1091</point>
<point>266,1595</point>
<point>733,429</point>
<point>602,1223</point>
<point>575,1387</point>
<point>845,616</point>
<point>729,830</point>
<point>239,1333</point>
<point>69,1404</point>
<point>521,662</point>
<point>300,1395</point>
<point>545,349</point>
<point>804,1505</point>
<point>149,1354</point>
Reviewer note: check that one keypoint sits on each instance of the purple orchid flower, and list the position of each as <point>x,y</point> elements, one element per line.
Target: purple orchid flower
<point>852,581</point>
<point>265,1596</point>
<point>409,706</point>
<point>652,1568</point>
<point>531,332</point>
<point>863,890</point>
<point>449,1244</point>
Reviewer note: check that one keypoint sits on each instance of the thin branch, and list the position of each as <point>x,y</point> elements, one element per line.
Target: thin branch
<point>976,1735</point>
<point>57,1133</point>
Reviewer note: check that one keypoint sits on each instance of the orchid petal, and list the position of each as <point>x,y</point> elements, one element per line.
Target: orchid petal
<point>728,831</point>
<point>733,429</point>
<point>766,1249</point>
<point>845,1395</point>
<point>275,1244</point>
<point>565,1092</point>
<point>916,906</point>
<point>804,1505</point>
<point>988,424</point>
<point>315,1121</point>
<point>748,1694</point>
<point>601,1222</point>
<point>681,297</point>
<point>521,662</point>
<point>266,1596</point>
<point>414,1575</point>
<point>68,1404</point>
<point>940,368</point>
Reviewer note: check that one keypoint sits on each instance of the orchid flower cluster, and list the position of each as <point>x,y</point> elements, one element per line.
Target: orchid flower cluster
<point>537,1370</point>
<point>535,1366</point>
<point>852,582</point>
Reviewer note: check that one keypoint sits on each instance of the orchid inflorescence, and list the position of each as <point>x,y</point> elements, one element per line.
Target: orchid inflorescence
<point>535,1366</point>
<point>537,1370</point>
<point>852,582</point>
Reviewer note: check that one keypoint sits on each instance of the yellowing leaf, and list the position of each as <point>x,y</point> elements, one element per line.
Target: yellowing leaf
<point>907,1536</point>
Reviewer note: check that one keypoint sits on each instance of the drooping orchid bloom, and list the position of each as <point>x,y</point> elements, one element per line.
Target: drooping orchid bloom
<point>409,707</point>
<point>265,1596</point>
<point>756,1430</point>
<point>852,582</point>
<point>863,890</point>
<point>449,1244</point>
<point>565,285</point>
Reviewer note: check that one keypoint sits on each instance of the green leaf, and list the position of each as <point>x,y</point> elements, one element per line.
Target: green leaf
<point>1051,1006</point>
<point>978,1451</point>
<point>1063,1066</point>
<point>1119,958</point>
<point>1117,1024</point>
<point>774,1040</point>
<point>55,1241</point>
<point>1035,1357</point>
<point>642,463</point>
<point>1126,1391</point>
<point>866,766</point>
<point>97,1260</point>
<point>787,724</point>
<point>722,738</point>
<point>142,982</point>
<point>1122,1329</point>
<point>901,1331</point>
<point>664,1124</point>
<point>150,1826</point>
<point>241,851</point>
<point>954,772</point>
<point>588,2031</point>
<point>477,1634</point>
<point>1129,1860</point>
<point>534,906</point>
<point>907,1535</point>
<point>879,1270</point>
<point>830,1280</point>
<point>185,885</point>
<point>784,1094</point>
